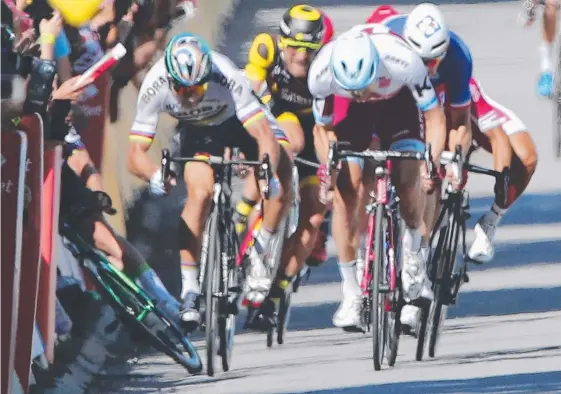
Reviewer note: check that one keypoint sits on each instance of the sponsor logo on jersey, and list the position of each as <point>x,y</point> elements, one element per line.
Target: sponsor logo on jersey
<point>208,109</point>
<point>384,82</point>
<point>425,86</point>
<point>154,89</point>
<point>221,79</point>
<point>396,60</point>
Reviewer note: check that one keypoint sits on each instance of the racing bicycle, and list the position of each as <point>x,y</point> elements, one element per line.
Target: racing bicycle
<point>132,306</point>
<point>448,261</point>
<point>271,315</point>
<point>380,283</point>
<point>220,278</point>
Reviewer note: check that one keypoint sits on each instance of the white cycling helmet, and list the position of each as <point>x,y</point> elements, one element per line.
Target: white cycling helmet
<point>354,61</point>
<point>426,31</point>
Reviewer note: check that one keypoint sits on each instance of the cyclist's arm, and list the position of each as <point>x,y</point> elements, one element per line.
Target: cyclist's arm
<point>460,102</point>
<point>421,86</point>
<point>254,117</point>
<point>142,133</point>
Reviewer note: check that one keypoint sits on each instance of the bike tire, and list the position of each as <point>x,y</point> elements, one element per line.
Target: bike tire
<point>285,306</point>
<point>377,312</point>
<point>227,319</point>
<point>160,332</point>
<point>433,267</point>
<point>212,287</point>
<point>394,324</point>
<point>557,111</point>
<point>436,316</point>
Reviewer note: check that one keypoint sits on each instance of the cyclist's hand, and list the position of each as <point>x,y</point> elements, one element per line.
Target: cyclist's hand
<point>428,183</point>
<point>452,176</point>
<point>159,186</point>
<point>528,14</point>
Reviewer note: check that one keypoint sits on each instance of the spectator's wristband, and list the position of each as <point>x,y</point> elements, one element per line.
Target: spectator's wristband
<point>40,86</point>
<point>47,38</point>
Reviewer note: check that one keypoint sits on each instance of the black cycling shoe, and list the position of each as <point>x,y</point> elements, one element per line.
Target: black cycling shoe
<point>264,318</point>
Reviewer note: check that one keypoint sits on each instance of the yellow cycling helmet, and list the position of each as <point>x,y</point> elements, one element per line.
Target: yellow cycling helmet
<point>76,12</point>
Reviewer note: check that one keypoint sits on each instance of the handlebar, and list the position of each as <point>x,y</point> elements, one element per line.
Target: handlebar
<point>264,172</point>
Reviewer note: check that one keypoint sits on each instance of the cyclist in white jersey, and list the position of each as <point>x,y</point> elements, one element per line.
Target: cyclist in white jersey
<point>216,108</point>
<point>389,92</point>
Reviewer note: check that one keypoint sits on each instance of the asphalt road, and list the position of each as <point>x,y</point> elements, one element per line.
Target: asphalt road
<point>503,336</point>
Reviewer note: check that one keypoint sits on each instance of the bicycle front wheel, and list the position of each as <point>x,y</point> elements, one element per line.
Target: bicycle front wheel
<point>378,314</point>
<point>212,288</point>
<point>139,315</point>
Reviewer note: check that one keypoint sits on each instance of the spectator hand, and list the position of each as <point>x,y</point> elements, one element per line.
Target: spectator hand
<point>71,90</point>
<point>51,26</point>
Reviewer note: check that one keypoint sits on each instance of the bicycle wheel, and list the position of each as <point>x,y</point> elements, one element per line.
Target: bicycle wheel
<point>433,269</point>
<point>394,299</point>
<point>135,310</point>
<point>212,289</point>
<point>284,314</point>
<point>377,297</point>
<point>228,311</point>
<point>442,288</point>
<point>557,111</point>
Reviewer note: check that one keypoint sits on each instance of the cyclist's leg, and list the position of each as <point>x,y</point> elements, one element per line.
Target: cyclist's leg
<point>401,129</point>
<point>546,49</point>
<point>515,138</point>
<point>91,226</point>
<point>259,282</point>
<point>301,243</point>
<point>355,129</point>
<point>199,179</point>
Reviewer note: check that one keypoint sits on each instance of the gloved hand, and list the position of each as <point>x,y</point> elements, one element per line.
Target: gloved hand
<point>159,186</point>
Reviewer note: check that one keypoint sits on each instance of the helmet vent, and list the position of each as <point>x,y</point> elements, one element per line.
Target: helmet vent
<point>360,62</point>
<point>414,42</point>
<point>439,44</point>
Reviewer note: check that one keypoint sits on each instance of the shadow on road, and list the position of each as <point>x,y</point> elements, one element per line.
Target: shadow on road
<point>516,383</point>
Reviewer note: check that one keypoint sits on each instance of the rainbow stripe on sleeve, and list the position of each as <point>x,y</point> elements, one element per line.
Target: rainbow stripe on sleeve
<point>141,136</point>
<point>252,117</point>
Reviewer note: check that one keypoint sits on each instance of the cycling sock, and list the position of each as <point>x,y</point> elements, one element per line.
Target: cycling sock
<point>151,282</point>
<point>243,210</point>
<point>411,239</point>
<point>189,278</point>
<point>546,54</point>
<point>494,216</point>
<point>262,240</point>
<point>351,287</point>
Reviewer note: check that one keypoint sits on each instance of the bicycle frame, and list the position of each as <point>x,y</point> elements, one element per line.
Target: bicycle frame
<point>384,193</point>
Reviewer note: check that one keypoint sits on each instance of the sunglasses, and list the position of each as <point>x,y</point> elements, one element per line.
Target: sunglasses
<point>300,45</point>
<point>195,90</point>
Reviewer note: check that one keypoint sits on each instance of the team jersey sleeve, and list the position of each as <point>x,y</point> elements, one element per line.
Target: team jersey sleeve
<point>461,68</point>
<point>320,81</point>
<point>147,113</point>
<point>248,107</point>
<point>261,56</point>
<point>420,84</point>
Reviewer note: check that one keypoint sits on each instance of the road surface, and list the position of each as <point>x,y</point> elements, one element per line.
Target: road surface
<point>504,334</point>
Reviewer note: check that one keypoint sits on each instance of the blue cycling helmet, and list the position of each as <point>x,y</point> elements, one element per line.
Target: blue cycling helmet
<point>188,60</point>
<point>354,61</point>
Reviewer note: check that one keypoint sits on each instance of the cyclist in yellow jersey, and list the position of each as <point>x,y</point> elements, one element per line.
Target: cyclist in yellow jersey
<point>278,70</point>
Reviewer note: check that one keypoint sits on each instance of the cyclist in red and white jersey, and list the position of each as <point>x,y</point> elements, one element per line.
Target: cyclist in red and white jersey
<point>389,92</point>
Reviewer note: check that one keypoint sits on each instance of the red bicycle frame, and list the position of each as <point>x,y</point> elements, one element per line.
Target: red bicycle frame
<point>382,196</point>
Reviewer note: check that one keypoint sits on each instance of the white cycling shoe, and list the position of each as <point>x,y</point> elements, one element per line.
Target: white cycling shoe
<point>258,283</point>
<point>414,279</point>
<point>482,249</point>
<point>409,318</point>
<point>348,314</point>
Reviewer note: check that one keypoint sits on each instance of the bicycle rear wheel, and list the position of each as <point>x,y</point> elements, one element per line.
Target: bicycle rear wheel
<point>212,288</point>
<point>557,111</point>
<point>284,314</point>
<point>378,314</point>
<point>394,299</point>
<point>139,315</point>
